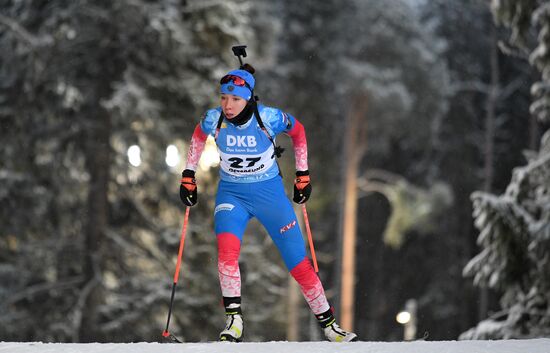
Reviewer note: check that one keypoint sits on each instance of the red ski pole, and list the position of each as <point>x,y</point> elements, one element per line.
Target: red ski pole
<point>167,333</point>
<point>310,239</point>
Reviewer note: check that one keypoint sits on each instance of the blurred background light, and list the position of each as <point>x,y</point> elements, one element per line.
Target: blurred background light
<point>172,156</point>
<point>134,155</point>
<point>403,317</point>
<point>210,157</point>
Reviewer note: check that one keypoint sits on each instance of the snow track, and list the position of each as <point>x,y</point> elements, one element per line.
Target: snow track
<point>541,345</point>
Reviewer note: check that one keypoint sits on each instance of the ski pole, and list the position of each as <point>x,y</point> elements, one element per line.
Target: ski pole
<point>166,333</point>
<point>310,239</point>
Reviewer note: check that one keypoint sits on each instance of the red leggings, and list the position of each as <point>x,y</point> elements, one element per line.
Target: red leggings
<point>229,248</point>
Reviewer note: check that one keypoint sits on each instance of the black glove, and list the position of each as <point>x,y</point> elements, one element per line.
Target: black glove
<point>302,187</point>
<point>188,188</point>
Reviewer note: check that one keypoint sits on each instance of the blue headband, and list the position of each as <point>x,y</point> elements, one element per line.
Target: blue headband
<point>244,92</point>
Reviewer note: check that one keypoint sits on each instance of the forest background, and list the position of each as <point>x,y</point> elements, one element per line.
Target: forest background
<point>427,120</point>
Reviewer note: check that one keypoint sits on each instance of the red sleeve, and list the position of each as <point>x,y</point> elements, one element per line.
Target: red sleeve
<point>196,148</point>
<point>298,136</point>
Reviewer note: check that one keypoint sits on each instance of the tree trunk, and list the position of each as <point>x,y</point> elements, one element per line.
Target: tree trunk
<point>354,148</point>
<point>98,164</point>
<point>489,146</point>
<point>293,311</point>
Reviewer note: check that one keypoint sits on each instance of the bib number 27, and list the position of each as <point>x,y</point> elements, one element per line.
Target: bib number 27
<point>237,162</point>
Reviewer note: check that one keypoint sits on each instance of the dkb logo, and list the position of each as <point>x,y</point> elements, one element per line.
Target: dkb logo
<point>239,141</point>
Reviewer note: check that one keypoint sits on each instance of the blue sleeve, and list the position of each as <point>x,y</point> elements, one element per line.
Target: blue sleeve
<point>210,120</point>
<point>276,121</point>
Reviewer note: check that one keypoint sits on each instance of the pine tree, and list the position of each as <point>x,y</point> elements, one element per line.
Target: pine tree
<point>515,226</point>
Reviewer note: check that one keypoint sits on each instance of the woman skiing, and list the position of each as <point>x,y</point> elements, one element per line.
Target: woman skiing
<point>251,186</point>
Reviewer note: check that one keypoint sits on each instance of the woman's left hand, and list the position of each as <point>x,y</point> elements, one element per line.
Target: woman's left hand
<point>302,187</point>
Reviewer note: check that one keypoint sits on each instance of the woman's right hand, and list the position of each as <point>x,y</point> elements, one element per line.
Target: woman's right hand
<point>188,188</point>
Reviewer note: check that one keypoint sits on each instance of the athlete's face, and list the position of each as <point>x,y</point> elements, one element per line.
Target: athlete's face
<point>232,105</point>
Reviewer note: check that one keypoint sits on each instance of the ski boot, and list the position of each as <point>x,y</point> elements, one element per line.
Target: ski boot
<point>332,331</point>
<point>233,331</point>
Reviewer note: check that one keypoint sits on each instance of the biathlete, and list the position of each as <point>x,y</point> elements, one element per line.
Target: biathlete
<point>251,186</point>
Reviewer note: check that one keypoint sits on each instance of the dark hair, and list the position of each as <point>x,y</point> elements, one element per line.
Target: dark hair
<point>249,68</point>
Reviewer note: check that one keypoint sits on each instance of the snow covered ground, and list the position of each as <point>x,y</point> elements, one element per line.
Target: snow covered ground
<point>541,345</point>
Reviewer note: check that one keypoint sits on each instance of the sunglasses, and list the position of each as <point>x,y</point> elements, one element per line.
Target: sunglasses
<point>236,80</point>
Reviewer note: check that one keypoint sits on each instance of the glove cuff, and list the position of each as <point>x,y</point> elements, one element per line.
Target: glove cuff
<point>188,173</point>
<point>300,173</point>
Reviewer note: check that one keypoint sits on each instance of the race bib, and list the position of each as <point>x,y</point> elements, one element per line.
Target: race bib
<point>246,164</point>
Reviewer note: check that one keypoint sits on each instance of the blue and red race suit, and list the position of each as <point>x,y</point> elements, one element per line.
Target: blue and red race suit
<point>251,186</point>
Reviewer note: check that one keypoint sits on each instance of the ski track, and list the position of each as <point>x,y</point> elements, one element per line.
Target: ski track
<point>540,345</point>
